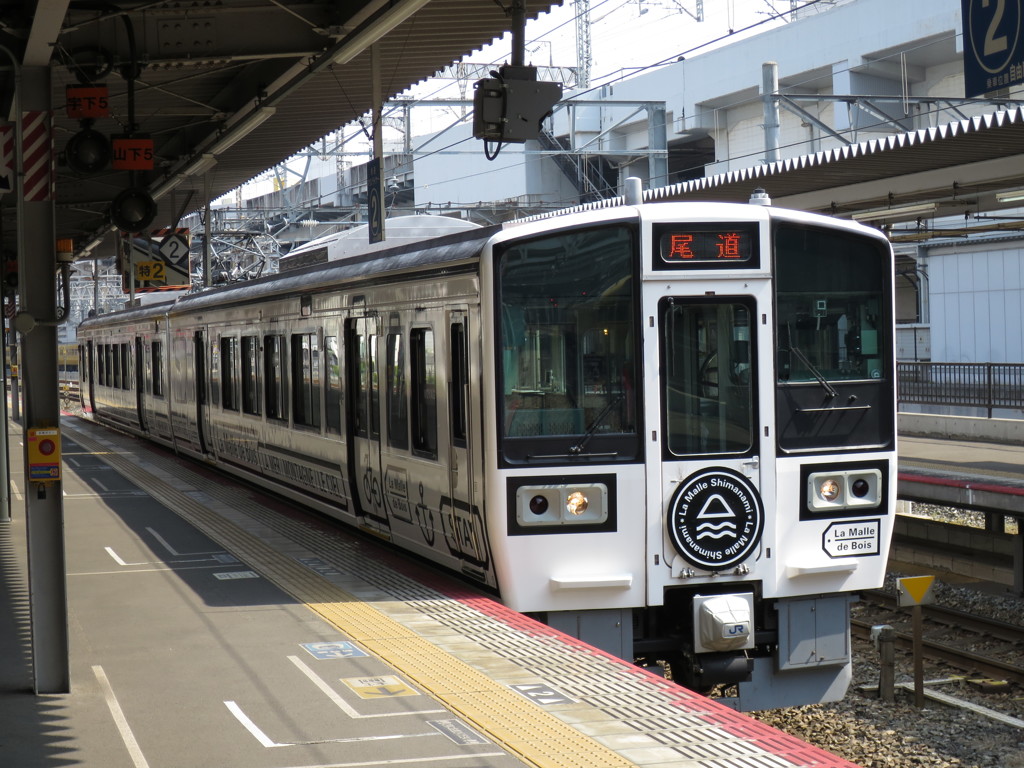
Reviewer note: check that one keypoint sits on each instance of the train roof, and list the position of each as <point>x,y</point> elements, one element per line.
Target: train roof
<point>438,252</point>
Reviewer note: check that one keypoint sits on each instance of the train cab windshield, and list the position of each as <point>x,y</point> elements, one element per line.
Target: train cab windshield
<point>567,353</point>
<point>832,356</point>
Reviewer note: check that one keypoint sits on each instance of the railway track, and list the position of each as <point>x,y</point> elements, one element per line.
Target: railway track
<point>972,644</point>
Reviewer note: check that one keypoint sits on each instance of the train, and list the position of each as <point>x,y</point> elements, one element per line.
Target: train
<point>664,428</point>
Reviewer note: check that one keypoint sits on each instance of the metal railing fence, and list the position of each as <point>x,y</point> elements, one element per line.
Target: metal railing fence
<point>975,385</point>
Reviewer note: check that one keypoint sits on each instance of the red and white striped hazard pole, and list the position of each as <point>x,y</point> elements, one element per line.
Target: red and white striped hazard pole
<point>37,156</point>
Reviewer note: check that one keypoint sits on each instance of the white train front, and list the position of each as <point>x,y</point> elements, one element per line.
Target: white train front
<point>667,429</point>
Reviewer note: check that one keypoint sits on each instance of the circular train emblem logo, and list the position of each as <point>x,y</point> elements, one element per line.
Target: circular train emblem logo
<point>716,519</point>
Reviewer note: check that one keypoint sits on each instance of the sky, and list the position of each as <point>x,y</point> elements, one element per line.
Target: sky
<point>627,37</point>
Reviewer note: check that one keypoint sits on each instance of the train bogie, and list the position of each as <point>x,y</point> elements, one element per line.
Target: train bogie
<point>665,429</point>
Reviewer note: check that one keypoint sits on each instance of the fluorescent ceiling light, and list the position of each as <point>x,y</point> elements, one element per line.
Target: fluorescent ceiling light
<point>371,32</point>
<point>235,133</point>
<point>166,186</point>
<point>1013,196</point>
<point>893,213</point>
<point>200,165</point>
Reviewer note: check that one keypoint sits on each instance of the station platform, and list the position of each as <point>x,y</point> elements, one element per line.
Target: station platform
<point>212,627</point>
<point>961,473</point>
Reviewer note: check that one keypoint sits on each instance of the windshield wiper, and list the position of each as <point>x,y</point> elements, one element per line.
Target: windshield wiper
<point>577,449</point>
<point>814,371</point>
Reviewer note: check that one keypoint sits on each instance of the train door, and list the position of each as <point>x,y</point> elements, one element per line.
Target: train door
<point>468,523</point>
<point>362,364</point>
<point>199,346</point>
<point>712,449</point>
<point>140,382</point>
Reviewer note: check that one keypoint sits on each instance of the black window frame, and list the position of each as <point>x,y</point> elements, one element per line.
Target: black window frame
<point>423,386</point>
<point>275,392</point>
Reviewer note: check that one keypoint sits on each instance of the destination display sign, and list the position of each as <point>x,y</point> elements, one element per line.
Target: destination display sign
<point>679,246</point>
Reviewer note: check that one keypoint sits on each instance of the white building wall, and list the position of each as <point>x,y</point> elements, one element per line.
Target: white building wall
<point>976,293</point>
<point>851,49</point>
<point>464,177</point>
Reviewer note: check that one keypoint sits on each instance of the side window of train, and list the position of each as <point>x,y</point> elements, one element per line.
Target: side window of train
<point>158,368</point>
<point>216,382</point>
<point>332,398</point>
<point>305,379</point>
<point>229,373</point>
<point>250,375</point>
<point>460,380</point>
<point>115,365</point>
<point>397,397</point>
<point>374,372</point>
<point>178,360</point>
<point>273,377</point>
<point>424,392</point>
<point>126,367</point>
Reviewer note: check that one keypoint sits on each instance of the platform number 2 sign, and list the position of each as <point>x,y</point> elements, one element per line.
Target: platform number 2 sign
<point>993,50</point>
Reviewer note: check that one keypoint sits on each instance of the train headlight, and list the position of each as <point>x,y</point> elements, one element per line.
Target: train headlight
<point>561,505</point>
<point>844,489</point>
<point>576,504</point>
<point>829,489</point>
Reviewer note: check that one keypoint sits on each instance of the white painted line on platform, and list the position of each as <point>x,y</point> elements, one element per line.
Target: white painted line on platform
<point>117,559</point>
<point>268,742</point>
<point>343,705</point>
<point>145,570</point>
<point>250,726</point>
<point>175,553</point>
<point>134,751</point>
<point>163,542</point>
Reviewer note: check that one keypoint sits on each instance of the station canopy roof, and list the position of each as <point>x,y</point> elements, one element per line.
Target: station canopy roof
<point>224,88</point>
<point>228,88</point>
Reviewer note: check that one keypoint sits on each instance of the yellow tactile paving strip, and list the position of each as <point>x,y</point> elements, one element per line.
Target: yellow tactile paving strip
<point>504,715</point>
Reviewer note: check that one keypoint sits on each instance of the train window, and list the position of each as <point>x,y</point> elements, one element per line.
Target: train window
<point>567,350</point>
<point>126,368</point>
<point>229,373</point>
<point>181,361</point>
<point>250,375</point>
<point>424,392</point>
<point>374,387</point>
<point>332,397</point>
<point>157,354</point>
<point>359,373</point>
<point>708,397</point>
<point>115,362</point>
<point>397,398</point>
<point>830,306</point>
<point>305,379</point>
<point>833,319</point>
<point>460,381</point>
<point>273,376</point>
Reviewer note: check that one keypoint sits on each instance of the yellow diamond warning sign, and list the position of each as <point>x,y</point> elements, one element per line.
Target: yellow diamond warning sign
<point>382,687</point>
<point>915,590</point>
